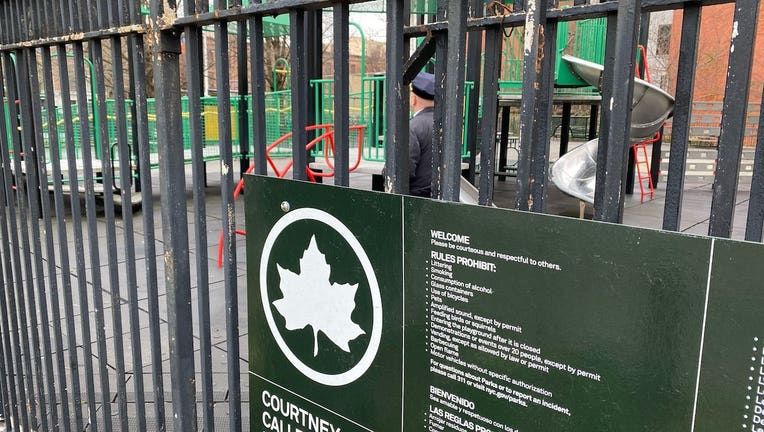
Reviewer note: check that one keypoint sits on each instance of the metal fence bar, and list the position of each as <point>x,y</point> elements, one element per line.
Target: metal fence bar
<point>299,67</point>
<point>125,188</point>
<point>438,114</point>
<point>26,185</point>
<point>63,241</point>
<point>8,397</point>
<point>132,13</point>
<point>5,407</point>
<point>33,19</point>
<point>73,17</point>
<point>4,35</point>
<point>55,301</point>
<point>396,141</point>
<point>39,206</point>
<point>111,233</point>
<point>123,12</point>
<point>14,395</point>
<point>81,16</point>
<point>18,29</point>
<point>733,118</point>
<point>565,127</point>
<point>11,21</point>
<point>95,14</point>
<point>26,279</point>
<point>174,226</point>
<point>147,213</point>
<point>11,7</point>
<point>491,72</point>
<point>453,127</point>
<point>606,90</point>
<point>14,200</point>
<point>84,307</point>
<point>112,13</point>
<point>313,47</point>
<point>45,13</point>
<point>504,141</point>
<point>11,342</point>
<point>534,18</point>
<point>341,95</point>
<point>25,21</point>
<point>222,76</point>
<point>30,16</point>
<point>680,134</point>
<point>542,118</point>
<point>755,223</point>
<point>618,132</point>
<point>257,69</point>
<point>56,15</point>
<point>194,73</point>
<point>92,228</point>
<point>243,89</point>
<point>476,9</point>
<point>66,16</point>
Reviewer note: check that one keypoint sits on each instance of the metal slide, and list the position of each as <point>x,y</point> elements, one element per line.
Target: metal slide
<point>468,194</point>
<point>575,172</point>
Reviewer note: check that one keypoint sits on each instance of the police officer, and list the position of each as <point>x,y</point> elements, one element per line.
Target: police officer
<point>422,101</point>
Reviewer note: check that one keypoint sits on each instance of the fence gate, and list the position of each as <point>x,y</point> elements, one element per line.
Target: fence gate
<point>113,313</point>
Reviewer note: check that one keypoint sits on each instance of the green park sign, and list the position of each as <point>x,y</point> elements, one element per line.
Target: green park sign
<point>376,312</point>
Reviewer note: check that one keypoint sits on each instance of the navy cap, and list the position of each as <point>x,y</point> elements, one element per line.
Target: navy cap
<point>424,85</point>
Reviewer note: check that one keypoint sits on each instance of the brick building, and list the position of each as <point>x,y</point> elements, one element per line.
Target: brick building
<point>711,71</point>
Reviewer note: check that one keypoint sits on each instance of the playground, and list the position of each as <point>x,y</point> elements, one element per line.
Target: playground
<point>367,120</point>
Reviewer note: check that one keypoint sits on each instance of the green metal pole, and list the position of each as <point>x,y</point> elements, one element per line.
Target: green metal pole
<point>363,64</point>
<point>274,71</point>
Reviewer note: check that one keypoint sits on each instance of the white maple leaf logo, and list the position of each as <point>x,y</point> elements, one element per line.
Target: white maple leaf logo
<point>311,300</point>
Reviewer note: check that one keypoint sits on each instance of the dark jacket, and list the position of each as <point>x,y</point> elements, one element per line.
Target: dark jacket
<point>420,153</point>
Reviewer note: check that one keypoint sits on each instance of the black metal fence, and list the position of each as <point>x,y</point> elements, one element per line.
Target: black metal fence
<point>113,320</point>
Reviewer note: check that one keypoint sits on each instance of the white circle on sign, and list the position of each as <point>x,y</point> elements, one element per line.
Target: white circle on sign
<point>376,298</point>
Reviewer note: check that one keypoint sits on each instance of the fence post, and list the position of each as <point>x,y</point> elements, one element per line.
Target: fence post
<point>733,118</point>
<point>618,92</point>
<point>534,18</point>
<point>174,223</point>
<point>454,109</point>
<point>396,139</point>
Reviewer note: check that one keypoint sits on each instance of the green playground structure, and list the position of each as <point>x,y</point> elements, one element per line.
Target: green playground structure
<point>588,43</point>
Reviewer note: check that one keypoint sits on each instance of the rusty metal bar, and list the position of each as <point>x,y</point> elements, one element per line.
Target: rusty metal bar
<point>532,51</point>
<point>615,140</point>
<point>733,118</point>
